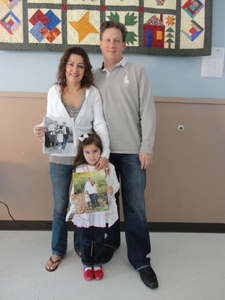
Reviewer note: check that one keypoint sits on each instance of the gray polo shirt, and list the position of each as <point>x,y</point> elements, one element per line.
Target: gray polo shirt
<point>129,108</point>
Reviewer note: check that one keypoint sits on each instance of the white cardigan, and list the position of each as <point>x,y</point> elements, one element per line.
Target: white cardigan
<point>89,118</point>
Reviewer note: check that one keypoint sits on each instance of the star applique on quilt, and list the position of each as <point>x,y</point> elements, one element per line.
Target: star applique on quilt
<point>83,27</point>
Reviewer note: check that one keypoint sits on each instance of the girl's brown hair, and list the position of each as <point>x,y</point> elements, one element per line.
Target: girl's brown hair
<point>87,80</point>
<point>92,138</point>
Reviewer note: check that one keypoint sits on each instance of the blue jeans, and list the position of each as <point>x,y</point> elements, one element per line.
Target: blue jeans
<point>61,179</point>
<point>95,197</point>
<point>133,181</point>
<point>92,199</point>
<point>91,244</point>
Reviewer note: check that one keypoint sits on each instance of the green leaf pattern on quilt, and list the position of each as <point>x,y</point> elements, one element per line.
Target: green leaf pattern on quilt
<point>130,19</point>
<point>114,17</point>
<point>130,38</point>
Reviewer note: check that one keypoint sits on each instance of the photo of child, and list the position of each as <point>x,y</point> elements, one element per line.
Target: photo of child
<point>87,199</point>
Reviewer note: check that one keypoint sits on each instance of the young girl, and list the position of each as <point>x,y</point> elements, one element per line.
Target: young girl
<point>92,227</point>
<point>87,198</point>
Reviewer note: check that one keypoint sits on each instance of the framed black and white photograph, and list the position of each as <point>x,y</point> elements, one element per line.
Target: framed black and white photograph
<point>58,136</point>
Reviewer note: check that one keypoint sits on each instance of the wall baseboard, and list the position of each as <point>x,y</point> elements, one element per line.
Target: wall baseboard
<point>153,226</point>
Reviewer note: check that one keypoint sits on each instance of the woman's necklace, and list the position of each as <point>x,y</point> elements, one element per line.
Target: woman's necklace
<point>73,100</point>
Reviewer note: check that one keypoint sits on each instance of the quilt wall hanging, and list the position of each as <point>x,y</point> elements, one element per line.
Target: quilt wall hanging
<point>155,27</point>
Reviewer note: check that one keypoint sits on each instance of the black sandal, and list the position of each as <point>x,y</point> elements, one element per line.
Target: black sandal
<point>53,262</point>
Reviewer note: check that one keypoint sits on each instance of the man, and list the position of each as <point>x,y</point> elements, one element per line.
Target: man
<point>65,131</point>
<point>53,129</point>
<point>129,110</point>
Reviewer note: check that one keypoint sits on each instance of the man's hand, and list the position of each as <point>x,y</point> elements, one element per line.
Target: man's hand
<point>145,159</point>
<point>103,163</point>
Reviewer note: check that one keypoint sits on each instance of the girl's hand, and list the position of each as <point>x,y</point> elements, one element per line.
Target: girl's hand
<point>39,131</point>
<point>110,190</point>
<point>103,163</point>
<point>73,197</point>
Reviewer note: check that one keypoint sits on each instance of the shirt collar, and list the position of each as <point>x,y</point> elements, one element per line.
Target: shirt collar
<point>121,63</point>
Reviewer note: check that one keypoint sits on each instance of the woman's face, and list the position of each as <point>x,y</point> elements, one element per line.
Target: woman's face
<point>75,69</point>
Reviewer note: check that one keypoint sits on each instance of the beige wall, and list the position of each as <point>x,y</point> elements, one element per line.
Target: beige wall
<point>184,184</point>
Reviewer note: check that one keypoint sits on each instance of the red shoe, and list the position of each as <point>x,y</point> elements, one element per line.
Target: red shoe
<point>98,274</point>
<point>88,274</point>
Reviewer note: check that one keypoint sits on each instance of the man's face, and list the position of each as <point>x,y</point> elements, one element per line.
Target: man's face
<point>112,45</point>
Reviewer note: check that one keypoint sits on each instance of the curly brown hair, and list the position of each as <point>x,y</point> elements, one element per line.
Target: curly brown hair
<point>92,138</point>
<point>111,24</point>
<point>87,80</point>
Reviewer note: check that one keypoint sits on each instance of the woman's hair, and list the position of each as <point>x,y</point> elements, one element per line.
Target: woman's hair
<point>112,24</point>
<point>87,80</point>
<point>92,138</point>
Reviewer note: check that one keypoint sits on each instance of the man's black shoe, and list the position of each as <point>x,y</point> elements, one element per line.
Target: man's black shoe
<point>149,278</point>
<point>107,254</point>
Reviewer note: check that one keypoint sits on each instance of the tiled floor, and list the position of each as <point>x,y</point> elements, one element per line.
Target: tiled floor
<point>189,266</point>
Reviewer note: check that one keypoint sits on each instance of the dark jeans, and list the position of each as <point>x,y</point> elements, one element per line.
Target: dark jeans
<point>91,245</point>
<point>65,138</point>
<point>133,181</point>
<point>95,197</point>
<point>61,178</point>
<point>92,199</point>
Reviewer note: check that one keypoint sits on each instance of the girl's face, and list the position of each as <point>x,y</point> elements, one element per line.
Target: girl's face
<point>91,154</point>
<point>75,69</point>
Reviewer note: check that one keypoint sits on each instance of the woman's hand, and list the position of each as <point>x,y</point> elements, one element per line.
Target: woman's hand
<point>103,163</point>
<point>39,131</point>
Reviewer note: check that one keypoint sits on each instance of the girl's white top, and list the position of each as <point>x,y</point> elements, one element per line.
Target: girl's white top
<point>97,219</point>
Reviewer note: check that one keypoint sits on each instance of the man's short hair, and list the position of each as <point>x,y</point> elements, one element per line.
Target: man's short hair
<point>111,24</point>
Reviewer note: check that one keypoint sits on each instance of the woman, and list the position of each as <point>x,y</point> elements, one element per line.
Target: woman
<point>72,96</point>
